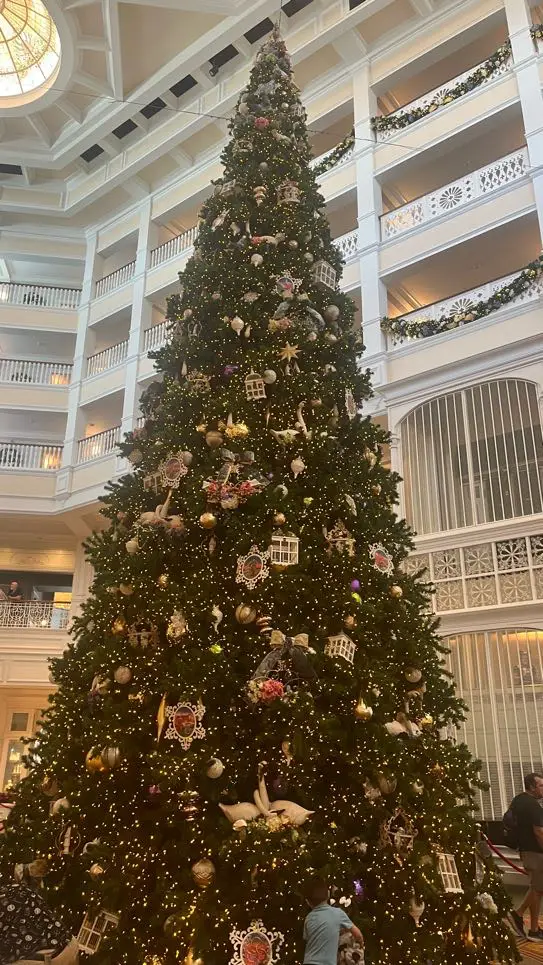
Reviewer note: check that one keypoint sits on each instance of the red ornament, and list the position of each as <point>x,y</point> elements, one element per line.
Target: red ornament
<point>261,123</point>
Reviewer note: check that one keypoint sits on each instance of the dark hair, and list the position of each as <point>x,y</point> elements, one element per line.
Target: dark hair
<point>530,781</point>
<point>317,891</point>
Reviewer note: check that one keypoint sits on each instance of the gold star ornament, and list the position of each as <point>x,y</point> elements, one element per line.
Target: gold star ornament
<point>289,352</point>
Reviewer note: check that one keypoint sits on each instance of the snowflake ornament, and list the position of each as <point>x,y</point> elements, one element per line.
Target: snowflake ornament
<point>382,560</point>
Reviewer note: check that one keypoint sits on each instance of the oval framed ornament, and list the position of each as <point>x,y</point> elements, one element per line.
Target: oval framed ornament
<point>172,470</point>
<point>253,568</point>
<point>255,945</point>
<point>184,723</point>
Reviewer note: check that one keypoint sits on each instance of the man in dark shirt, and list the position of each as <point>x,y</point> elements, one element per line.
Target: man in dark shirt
<point>529,818</point>
<point>14,593</point>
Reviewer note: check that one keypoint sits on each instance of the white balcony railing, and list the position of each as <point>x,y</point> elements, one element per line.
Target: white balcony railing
<point>35,613</point>
<point>154,337</point>
<point>492,573</point>
<point>465,301</point>
<point>348,244</point>
<point>35,373</point>
<point>456,194</point>
<point>22,455</point>
<point>173,247</point>
<point>107,359</point>
<point>442,92</point>
<point>100,444</point>
<point>115,280</point>
<point>348,156</point>
<point>39,296</point>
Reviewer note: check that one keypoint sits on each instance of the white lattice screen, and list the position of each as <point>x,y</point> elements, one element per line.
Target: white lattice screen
<point>474,456</point>
<point>499,674</point>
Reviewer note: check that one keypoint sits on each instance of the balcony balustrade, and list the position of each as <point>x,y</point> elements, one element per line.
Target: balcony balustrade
<point>348,156</point>
<point>173,247</point>
<point>100,444</point>
<point>34,614</point>
<point>107,359</point>
<point>35,373</point>
<point>39,296</point>
<point>154,337</point>
<point>461,304</point>
<point>492,573</point>
<point>455,195</point>
<point>115,279</point>
<point>347,244</point>
<point>25,456</point>
<point>442,94</point>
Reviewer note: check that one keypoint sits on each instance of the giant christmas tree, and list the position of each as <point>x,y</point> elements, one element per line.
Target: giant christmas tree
<point>254,692</point>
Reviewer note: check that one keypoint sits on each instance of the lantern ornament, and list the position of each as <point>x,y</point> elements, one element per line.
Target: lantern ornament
<point>339,539</point>
<point>341,646</point>
<point>254,386</point>
<point>143,635</point>
<point>398,833</point>
<point>284,550</point>
<point>450,879</point>
<point>153,482</point>
<point>324,274</point>
<point>288,193</point>
<point>94,929</point>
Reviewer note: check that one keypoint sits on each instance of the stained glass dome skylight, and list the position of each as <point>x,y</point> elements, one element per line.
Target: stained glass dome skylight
<point>29,47</point>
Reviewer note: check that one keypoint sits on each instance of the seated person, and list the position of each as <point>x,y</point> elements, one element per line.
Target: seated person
<point>27,925</point>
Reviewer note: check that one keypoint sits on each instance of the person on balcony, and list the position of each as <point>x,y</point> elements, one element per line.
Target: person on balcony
<point>15,594</point>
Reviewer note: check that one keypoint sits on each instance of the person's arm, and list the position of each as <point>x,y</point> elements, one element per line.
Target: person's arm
<point>537,822</point>
<point>357,934</point>
<point>538,831</point>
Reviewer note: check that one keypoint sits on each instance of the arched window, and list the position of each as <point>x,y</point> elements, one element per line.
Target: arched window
<point>499,674</point>
<point>474,456</point>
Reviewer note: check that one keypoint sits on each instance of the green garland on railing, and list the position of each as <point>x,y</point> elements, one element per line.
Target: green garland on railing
<point>335,156</point>
<point>402,327</point>
<point>537,32</point>
<point>400,119</point>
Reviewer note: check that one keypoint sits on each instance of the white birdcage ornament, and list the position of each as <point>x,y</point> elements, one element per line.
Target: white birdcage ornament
<point>288,193</point>
<point>153,482</point>
<point>254,386</point>
<point>324,274</point>
<point>450,879</point>
<point>284,549</point>
<point>94,929</point>
<point>341,646</point>
<point>339,539</point>
<point>398,833</point>
<point>143,635</point>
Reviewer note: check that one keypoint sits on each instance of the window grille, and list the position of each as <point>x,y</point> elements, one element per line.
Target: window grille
<point>499,674</point>
<point>473,457</point>
<point>450,878</point>
<point>284,550</point>
<point>341,646</point>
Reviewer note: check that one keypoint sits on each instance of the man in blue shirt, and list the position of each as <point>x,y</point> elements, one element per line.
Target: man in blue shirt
<point>323,925</point>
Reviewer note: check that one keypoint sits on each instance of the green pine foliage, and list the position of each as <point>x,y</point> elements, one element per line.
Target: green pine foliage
<point>357,744</point>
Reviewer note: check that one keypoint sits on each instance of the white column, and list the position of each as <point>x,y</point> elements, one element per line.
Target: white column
<point>141,317</point>
<point>74,423</point>
<point>369,201</point>
<point>83,577</point>
<point>526,69</point>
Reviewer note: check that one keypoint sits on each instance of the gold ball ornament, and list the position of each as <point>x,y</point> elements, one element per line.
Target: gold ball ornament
<point>93,761</point>
<point>119,626</point>
<point>362,711</point>
<point>49,786</point>
<point>214,438</point>
<point>426,721</point>
<point>111,758</point>
<point>123,675</point>
<point>163,579</point>
<point>203,872</point>
<point>126,589</point>
<point>215,768</point>
<point>279,519</point>
<point>413,675</point>
<point>96,870</point>
<point>208,520</point>
<point>173,925</point>
<point>245,614</point>
<point>396,591</point>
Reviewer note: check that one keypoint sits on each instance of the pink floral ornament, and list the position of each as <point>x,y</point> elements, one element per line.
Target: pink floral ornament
<point>261,123</point>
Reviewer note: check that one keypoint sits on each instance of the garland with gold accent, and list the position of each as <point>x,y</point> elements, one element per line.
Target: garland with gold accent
<point>400,119</point>
<point>335,156</point>
<point>402,328</point>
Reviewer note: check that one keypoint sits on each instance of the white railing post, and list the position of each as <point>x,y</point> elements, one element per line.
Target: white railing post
<point>115,280</point>
<point>173,247</point>
<point>108,358</point>
<point>100,444</point>
<point>154,337</point>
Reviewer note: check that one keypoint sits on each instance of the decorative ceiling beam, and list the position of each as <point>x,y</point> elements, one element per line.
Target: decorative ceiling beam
<point>92,43</point>
<point>92,83</point>
<point>114,62</point>
<point>40,128</point>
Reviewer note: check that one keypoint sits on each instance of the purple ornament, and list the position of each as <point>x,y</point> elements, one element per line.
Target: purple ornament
<point>229,370</point>
<point>359,892</point>
<point>355,584</point>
